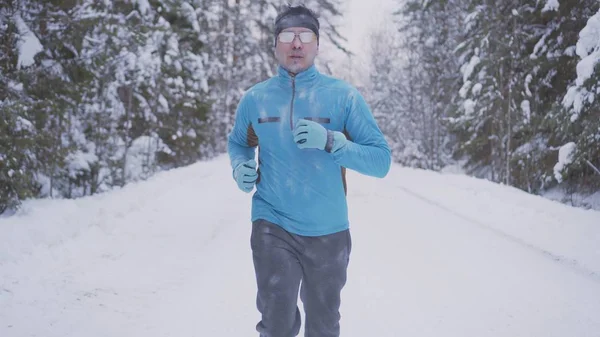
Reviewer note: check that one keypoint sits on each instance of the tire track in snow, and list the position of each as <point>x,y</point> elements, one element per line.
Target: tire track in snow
<point>562,260</point>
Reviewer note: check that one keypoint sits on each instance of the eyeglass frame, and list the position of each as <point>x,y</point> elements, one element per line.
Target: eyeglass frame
<point>312,36</point>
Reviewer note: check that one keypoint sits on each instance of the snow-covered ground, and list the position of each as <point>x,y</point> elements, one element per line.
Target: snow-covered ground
<point>433,255</point>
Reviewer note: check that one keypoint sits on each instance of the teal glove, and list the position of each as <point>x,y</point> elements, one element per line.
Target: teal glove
<point>245,175</point>
<point>312,135</point>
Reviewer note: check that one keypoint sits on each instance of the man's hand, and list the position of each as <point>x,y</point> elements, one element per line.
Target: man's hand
<point>310,135</point>
<point>245,175</point>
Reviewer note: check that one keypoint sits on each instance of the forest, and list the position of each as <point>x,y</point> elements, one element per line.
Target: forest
<point>97,94</point>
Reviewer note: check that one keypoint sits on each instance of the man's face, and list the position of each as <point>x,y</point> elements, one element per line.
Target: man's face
<point>296,56</point>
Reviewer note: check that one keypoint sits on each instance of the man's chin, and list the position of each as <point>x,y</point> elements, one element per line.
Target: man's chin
<point>296,67</point>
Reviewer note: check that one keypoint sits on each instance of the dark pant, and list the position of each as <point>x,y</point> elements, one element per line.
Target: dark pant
<point>282,261</point>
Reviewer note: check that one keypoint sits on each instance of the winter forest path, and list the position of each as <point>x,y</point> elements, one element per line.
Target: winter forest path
<point>171,257</point>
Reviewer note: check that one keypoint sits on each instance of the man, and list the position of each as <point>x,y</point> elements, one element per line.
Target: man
<point>308,128</point>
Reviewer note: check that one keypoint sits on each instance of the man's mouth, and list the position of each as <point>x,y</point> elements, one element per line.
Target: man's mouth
<point>296,56</point>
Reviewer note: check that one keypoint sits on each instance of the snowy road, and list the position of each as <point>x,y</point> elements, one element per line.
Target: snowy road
<point>433,255</point>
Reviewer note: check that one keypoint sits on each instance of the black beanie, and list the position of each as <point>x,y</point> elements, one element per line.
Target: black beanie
<point>299,16</point>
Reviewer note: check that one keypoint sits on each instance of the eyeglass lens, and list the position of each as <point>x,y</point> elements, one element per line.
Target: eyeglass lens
<point>287,37</point>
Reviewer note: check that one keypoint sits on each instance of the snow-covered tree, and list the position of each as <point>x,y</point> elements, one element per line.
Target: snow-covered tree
<point>95,94</point>
<point>582,103</point>
<point>515,80</point>
<point>413,76</point>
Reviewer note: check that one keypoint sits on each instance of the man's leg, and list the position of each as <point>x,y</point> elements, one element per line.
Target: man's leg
<point>325,261</point>
<point>278,275</point>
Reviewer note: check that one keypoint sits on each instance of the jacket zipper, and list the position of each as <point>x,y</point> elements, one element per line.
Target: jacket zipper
<point>292,105</point>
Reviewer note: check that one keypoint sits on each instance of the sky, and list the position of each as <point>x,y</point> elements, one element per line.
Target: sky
<point>361,18</point>
<point>365,16</point>
<point>433,254</point>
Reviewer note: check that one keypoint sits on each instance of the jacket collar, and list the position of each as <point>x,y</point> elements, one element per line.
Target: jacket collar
<point>306,77</point>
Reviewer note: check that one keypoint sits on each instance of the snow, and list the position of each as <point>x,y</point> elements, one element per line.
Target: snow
<point>15,86</point>
<point>191,16</point>
<point>570,51</point>
<point>528,79</point>
<point>551,5</point>
<point>433,254</point>
<point>540,47</point>
<point>588,49</point>
<point>163,102</point>
<point>143,5</point>
<point>464,89</point>
<point>24,124</point>
<point>526,108</point>
<point>471,19</point>
<point>141,153</point>
<point>28,45</point>
<point>80,161</point>
<point>562,194</point>
<point>477,89</point>
<point>430,42</point>
<point>574,98</point>
<point>468,68</point>
<point>469,106</point>
<point>565,157</point>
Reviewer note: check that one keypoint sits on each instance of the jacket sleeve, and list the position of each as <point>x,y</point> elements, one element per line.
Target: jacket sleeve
<point>366,150</point>
<point>240,144</point>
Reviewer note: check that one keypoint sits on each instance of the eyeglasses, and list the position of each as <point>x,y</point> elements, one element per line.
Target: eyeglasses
<point>288,37</point>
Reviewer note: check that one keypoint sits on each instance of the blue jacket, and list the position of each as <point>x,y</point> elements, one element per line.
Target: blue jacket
<point>304,190</point>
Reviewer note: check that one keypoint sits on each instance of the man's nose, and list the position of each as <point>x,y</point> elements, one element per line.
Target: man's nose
<point>297,44</point>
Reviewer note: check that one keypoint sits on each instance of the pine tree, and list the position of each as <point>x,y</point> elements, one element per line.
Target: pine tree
<point>121,89</point>
<point>28,125</point>
<point>58,85</point>
<point>383,92</point>
<point>494,115</point>
<point>550,37</point>
<point>427,81</point>
<point>183,88</point>
<point>581,103</point>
